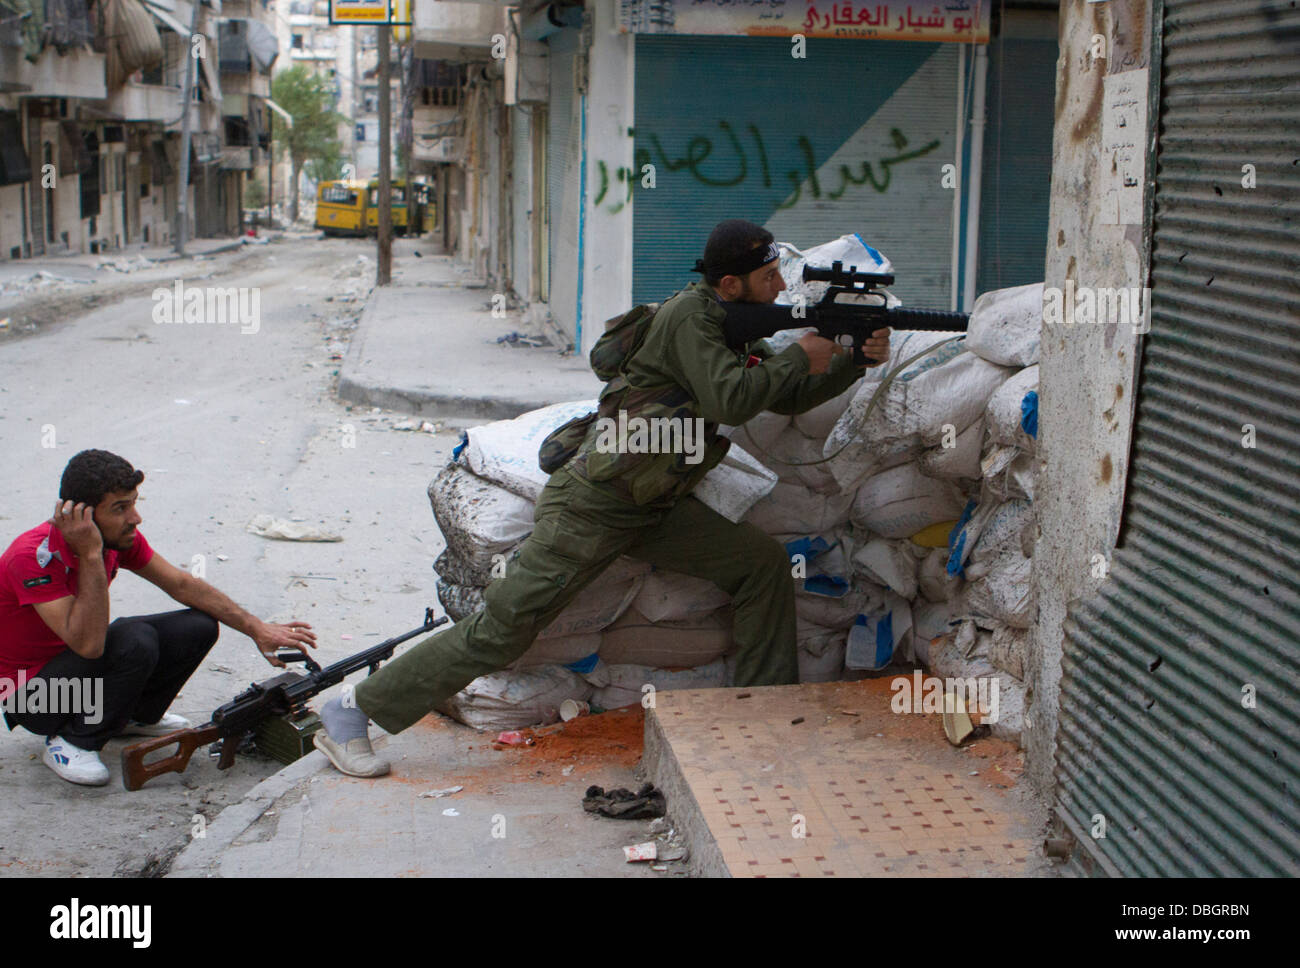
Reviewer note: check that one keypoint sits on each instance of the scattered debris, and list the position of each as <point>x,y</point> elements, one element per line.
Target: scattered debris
<point>567,771</point>
<point>573,708</point>
<point>513,737</point>
<point>850,712</point>
<point>519,339</point>
<point>796,721</point>
<point>439,794</point>
<point>451,812</point>
<point>223,557</point>
<point>658,825</point>
<point>623,804</point>
<point>744,695</point>
<point>269,526</point>
<point>675,853</point>
<point>638,852</point>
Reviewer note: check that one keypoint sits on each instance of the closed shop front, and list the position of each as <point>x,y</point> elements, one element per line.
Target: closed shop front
<point>1178,748</point>
<point>849,138</point>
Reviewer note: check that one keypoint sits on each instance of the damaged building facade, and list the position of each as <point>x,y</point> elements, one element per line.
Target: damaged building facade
<point>91,112</point>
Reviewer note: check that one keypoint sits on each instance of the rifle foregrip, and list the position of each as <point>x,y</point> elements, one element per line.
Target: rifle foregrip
<point>927,320</point>
<point>136,772</point>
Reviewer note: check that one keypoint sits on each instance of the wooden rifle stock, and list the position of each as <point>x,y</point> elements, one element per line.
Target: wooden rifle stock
<point>136,772</point>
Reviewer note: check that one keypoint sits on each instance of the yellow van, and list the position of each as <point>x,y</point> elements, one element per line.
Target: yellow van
<point>399,212</point>
<point>341,207</point>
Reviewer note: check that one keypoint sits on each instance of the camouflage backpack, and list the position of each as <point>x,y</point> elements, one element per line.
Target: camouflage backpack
<point>609,357</point>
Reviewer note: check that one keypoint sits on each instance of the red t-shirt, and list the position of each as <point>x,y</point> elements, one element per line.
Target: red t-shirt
<point>38,567</point>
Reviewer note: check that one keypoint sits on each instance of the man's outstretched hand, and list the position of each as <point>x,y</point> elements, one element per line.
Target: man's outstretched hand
<point>272,637</point>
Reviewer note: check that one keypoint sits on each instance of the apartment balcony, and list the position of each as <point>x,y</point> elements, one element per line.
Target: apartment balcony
<point>242,85</point>
<point>451,31</point>
<point>78,73</point>
<point>160,103</point>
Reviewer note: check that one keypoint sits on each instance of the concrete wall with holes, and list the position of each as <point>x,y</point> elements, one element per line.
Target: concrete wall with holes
<point>1088,375</point>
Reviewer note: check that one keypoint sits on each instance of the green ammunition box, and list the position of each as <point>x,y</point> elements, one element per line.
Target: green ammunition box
<point>287,738</point>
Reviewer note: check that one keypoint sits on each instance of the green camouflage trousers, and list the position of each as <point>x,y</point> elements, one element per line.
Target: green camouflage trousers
<point>578,532</point>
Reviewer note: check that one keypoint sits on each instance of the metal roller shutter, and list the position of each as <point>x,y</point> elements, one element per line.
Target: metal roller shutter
<point>737,128</point>
<point>1158,733</point>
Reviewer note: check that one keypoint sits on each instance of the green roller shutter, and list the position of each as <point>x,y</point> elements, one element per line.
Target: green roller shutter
<point>1016,188</point>
<point>1180,706</point>
<point>850,138</point>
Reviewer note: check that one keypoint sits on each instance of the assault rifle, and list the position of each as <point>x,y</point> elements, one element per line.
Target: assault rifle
<point>847,323</point>
<point>283,695</point>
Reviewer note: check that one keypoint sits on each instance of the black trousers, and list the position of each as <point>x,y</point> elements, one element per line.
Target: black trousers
<point>146,661</point>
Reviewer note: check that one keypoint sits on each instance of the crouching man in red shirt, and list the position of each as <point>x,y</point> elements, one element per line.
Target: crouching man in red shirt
<point>65,672</point>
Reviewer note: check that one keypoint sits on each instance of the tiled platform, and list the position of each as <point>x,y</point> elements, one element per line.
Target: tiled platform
<point>879,793</point>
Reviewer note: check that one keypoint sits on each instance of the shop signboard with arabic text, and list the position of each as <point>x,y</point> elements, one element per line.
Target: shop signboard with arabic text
<point>953,21</point>
<point>360,12</point>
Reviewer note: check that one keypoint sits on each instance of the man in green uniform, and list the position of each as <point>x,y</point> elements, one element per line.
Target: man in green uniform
<point>601,505</point>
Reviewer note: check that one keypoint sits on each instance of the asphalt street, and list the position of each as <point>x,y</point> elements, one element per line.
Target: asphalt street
<point>227,421</point>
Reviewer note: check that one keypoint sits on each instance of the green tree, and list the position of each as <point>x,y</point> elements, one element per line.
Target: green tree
<point>314,136</point>
<point>255,194</point>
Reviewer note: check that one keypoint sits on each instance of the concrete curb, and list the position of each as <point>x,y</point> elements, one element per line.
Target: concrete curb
<point>663,770</point>
<point>202,854</point>
<point>355,387</point>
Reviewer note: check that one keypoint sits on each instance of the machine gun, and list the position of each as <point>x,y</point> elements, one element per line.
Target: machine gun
<point>847,323</point>
<point>284,695</point>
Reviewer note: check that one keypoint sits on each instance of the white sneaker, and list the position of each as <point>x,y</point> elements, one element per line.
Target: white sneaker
<point>73,763</point>
<point>170,723</point>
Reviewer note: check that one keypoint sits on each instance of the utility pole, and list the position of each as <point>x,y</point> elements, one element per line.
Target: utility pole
<point>384,272</point>
<point>182,194</point>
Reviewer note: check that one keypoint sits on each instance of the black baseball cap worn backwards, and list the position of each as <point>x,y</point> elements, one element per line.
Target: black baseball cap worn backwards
<point>736,247</point>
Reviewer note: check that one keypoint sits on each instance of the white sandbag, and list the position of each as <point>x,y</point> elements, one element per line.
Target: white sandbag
<point>757,434</point>
<point>669,596</point>
<point>851,250</point>
<point>893,564</point>
<point>1007,650</point>
<point>931,621</point>
<point>821,658</point>
<point>602,602</point>
<point>947,388</point>
<point>1013,411</point>
<point>635,640</point>
<point>962,654</point>
<point>477,518</point>
<point>559,650</point>
<point>794,509</point>
<point>875,641</point>
<point>960,461</point>
<point>459,601</point>
<point>795,459</point>
<point>627,682</point>
<point>902,501</point>
<point>818,422</point>
<point>733,486</point>
<point>505,451</point>
<point>1004,530</point>
<point>991,523</point>
<point>864,598</point>
<point>1008,472</point>
<point>933,580</point>
<point>517,698</point>
<point>1002,590</point>
<point>1005,325</point>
